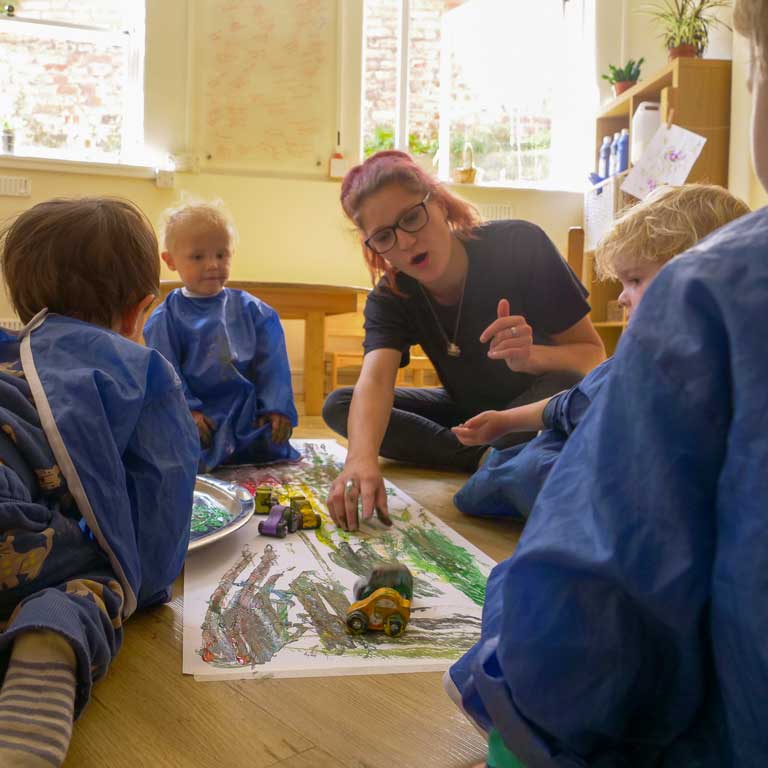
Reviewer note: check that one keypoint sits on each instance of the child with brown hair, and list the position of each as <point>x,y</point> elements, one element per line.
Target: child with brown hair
<point>648,235</point>
<point>227,346</point>
<point>97,462</point>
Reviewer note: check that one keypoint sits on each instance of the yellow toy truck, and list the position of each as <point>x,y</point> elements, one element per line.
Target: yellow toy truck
<point>382,601</point>
<point>301,505</point>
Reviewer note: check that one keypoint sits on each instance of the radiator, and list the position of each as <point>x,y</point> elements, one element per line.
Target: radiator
<point>12,323</point>
<point>494,211</point>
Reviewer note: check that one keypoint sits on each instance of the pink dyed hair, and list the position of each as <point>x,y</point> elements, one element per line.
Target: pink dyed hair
<point>395,167</point>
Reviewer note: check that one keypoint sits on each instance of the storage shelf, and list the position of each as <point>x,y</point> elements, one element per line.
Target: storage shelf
<point>696,95</point>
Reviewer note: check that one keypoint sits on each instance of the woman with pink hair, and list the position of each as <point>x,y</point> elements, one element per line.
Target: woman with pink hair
<point>498,312</point>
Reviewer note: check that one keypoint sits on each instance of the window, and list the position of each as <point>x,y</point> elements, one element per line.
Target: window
<point>508,82</point>
<point>72,79</point>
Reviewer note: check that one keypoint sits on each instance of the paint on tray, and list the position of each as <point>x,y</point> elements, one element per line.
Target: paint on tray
<point>208,515</point>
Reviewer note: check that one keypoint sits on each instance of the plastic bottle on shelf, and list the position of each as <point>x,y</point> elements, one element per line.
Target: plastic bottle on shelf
<point>623,151</point>
<point>645,123</point>
<point>603,165</point>
<point>613,166</point>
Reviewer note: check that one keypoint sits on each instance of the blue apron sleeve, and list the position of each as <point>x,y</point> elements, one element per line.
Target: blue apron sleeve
<point>160,468</point>
<point>565,410</point>
<point>160,334</point>
<point>600,636</point>
<point>270,370</point>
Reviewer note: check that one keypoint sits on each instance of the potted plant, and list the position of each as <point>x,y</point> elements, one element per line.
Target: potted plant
<point>423,149</point>
<point>622,78</point>
<point>9,138</point>
<point>685,24</point>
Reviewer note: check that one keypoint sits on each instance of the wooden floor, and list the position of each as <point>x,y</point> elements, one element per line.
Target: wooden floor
<point>146,713</point>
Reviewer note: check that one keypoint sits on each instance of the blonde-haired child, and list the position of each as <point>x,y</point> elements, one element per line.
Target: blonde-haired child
<point>227,346</point>
<point>641,242</point>
<point>630,625</point>
<point>98,456</point>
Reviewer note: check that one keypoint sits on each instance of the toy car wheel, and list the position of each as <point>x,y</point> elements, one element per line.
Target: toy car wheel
<point>282,531</point>
<point>394,626</point>
<point>357,622</point>
<point>261,528</point>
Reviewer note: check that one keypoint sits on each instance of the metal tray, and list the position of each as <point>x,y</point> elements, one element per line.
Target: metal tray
<point>219,508</point>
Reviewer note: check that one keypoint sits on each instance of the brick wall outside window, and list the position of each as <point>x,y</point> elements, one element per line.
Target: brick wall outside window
<point>64,94</point>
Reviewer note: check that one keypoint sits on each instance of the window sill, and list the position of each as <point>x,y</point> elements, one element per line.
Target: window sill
<point>518,186</point>
<point>26,163</point>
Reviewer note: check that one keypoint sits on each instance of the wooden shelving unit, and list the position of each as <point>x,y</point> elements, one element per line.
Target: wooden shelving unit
<point>696,95</point>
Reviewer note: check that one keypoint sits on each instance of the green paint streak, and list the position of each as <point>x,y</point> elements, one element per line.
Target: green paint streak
<point>434,552</point>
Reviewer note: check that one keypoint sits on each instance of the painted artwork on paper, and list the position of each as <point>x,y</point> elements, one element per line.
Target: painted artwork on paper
<point>668,159</point>
<point>258,606</point>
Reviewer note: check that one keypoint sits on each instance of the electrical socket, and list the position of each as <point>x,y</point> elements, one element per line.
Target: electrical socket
<point>165,179</point>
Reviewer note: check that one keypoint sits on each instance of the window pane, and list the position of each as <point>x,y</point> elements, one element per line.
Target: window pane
<point>109,14</point>
<point>380,65</point>
<point>61,95</point>
<point>502,82</point>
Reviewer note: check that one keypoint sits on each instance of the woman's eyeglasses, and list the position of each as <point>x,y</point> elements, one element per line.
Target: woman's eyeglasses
<point>411,221</point>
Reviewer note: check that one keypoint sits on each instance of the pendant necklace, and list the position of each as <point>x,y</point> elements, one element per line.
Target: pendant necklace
<point>451,347</point>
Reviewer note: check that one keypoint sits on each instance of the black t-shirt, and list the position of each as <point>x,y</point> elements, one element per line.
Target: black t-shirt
<point>511,260</point>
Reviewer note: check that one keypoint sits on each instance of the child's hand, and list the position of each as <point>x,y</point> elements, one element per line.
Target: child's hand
<point>482,429</point>
<point>205,427</point>
<point>281,427</point>
<point>511,338</point>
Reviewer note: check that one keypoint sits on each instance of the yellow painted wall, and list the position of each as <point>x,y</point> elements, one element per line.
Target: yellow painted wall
<point>290,230</point>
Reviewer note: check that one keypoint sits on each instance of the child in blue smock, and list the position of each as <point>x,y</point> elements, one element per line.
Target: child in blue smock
<point>630,625</point>
<point>227,346</point>
<point>98,455</point>
<point>666,223</point>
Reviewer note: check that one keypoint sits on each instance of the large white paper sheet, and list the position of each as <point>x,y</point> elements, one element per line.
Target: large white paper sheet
<point>256,606</point>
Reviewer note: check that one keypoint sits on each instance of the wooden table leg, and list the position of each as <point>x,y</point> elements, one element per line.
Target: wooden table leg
<point>314,362</point>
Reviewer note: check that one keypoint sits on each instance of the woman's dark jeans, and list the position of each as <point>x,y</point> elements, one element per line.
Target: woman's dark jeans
<point>419,429</point>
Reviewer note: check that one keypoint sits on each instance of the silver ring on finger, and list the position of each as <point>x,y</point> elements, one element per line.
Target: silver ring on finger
<point>350,487</point>
<point>513,330</point>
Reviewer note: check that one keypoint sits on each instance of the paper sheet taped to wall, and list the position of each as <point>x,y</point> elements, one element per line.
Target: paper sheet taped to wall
<point>667,159</point>
<point>266,72</point>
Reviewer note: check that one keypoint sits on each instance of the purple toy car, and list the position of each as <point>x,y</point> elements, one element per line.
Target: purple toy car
<point>280,522</point>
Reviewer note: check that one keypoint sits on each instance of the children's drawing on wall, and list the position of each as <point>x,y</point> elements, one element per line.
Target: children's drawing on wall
<point>260,606</point>
<point>267,74</point>
<point>668,159</point>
